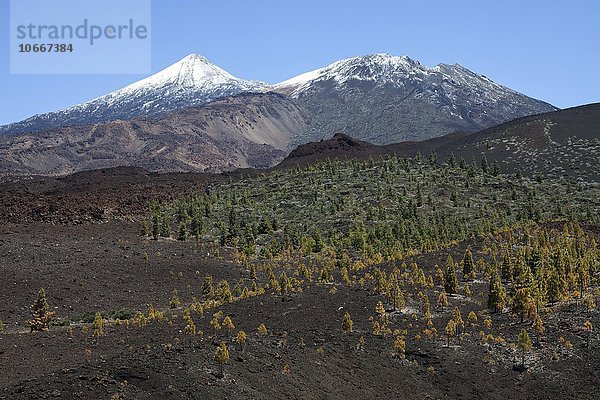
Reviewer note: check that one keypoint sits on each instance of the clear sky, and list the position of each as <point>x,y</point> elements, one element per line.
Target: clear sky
<point>549,49</point>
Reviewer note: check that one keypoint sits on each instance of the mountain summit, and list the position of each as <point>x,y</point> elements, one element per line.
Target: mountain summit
<point>381,68</point>
<point>193,73</point>
<point>192,81</point>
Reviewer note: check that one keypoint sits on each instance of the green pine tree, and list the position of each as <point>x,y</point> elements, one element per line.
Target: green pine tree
<point>450,278</point>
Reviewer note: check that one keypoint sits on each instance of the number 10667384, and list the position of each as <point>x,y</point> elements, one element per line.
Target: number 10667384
<point>46,48</point>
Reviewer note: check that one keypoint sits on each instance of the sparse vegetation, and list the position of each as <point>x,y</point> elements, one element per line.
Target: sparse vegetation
<point>409,246</point>
<point>98,325</point>
<point>221,357</point>
<point>262,330</point>
<point>524,344</point>
<point>41,315</point>
<point>347,323</point>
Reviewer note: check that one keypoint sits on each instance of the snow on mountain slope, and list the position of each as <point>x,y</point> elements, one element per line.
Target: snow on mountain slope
<point>384,99</point>
<point>192,81</point>
<point>384,69</point>
<point>190,77</point>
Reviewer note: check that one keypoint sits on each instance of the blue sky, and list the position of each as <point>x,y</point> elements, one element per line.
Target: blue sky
<point>546,49</point>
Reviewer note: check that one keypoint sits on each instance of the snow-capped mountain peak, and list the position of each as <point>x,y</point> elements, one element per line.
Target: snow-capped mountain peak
<point>380,67</point>
<point>386,69</point>
<point>191,71</point>
<point>193,77</point>
<point>192,81</point>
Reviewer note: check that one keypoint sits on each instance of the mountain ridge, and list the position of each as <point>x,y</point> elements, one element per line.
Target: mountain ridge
<point>381,81</point>
<point>206,119</point>
<point>558,144</point>
<point>244,131</point>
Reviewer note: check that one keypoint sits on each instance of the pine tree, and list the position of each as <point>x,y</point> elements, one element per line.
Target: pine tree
<point>496,295</point>
<point>524,344</point>
<point>380,310</point>
<point>360,346</point>
<point>554,291</point>
<point>452,160</point>
<point>419,197</point>
<point>183,231</point>
<point>443,300</point>
<point>507,268</point>
<point>165,227</point>
<point>454,198</point>
<point>380,279</point>
<point>398,298</point>
<point>484,164</point>
<point>487,323</point>
<point>175,301</point>
<point>587,328</point>
<point>468,265</point>
<point>399,347</point>
<point>196,226</point>
<point>495,168</point>
<point>241,339</point>
<point>41,317</point>
<point>223,292</point>
<point>145,229</point>
<point>214,322</point>
<point>155,227</point>
<point>583,277</point>
<point>425,304</point>
<point>472,318</point>
<point>221,357</point>
<point>345,277</point>
<point>458,321</point>
<point>262,330</point>
<point>207,287</point>
<point>376,328</point>
<point>228,324</point>
<point>467,290</point>
<point>439,275</point>
<point>98,325</point>
<point>520,302</point>
<point>318,239</point>
<point>190,327</point>
<point>538,325</point>
<point>450,278</point>
<point>450,330</point>
<point>347,323</point>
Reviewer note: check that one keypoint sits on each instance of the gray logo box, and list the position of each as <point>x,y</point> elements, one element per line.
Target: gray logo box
<point>80,37</point>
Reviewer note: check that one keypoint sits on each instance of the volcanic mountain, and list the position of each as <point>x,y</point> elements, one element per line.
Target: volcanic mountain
<point>385,99</point>
<point>190,82</point>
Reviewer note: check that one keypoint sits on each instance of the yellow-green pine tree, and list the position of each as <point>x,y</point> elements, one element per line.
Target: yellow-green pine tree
<point>221,357</point>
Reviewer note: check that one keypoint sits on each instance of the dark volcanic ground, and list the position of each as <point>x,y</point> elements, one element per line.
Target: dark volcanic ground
<point>92,267</point>
<point>92,196</point>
